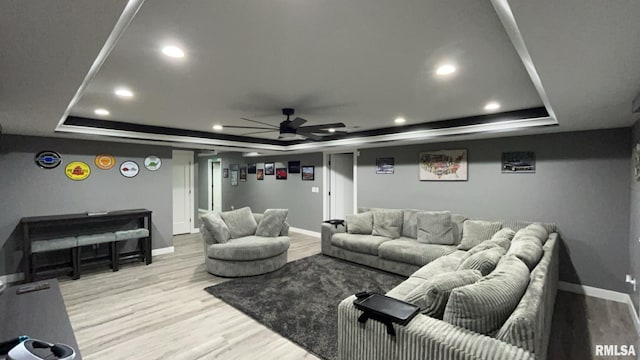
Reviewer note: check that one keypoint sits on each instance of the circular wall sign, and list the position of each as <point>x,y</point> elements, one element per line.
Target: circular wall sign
<point>105,161</point>
<point>77,170</point>
<point>129,169</point>
<point>152,162</point>
<point>48,159</point>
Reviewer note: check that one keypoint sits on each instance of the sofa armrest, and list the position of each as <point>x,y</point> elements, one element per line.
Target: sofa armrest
<point>327,232</point>
<point>423,338</point>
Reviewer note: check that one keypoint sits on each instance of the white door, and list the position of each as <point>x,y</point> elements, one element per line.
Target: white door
<point>341,185</point>
<point>215,191</point>
<point>182,191</point>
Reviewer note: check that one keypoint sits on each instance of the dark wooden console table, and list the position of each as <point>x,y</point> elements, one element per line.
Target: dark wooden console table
<point>72,223</point>
<point>40,315</point>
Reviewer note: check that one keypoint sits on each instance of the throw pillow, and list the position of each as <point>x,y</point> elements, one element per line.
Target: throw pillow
<point>528,250</point>
<point>483,261</point>
<point>410,223</point>
<point>272,222</point>
<point>387,223</point>
<point>458,223</point>
<point>476,231</point>
<point>484,306</point>
<point>215,227</point>
<point>485,245</point>
<point>536,231</point>
<point>434,227</point>
<point>240,222</point>
<point>432,295</point>
<point>360,223</point>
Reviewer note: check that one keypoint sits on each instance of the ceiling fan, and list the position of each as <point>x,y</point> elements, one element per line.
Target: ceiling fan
<point>290,128</point>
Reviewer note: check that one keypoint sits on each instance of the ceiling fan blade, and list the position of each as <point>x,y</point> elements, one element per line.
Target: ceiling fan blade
<point>259,132</point>
<point>247,127</point>
<point>321,127</point>
<point>327,132</point>
<point>297,122</point>
<point>310,136</point>
<point>260,122</point>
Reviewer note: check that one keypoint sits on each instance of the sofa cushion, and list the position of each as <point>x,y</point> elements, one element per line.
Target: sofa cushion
<point>410,223</point>
<point>484,261</point>
<point>403,289</point>
<point>458,224</point>
<point>387,223</point>
<point>366,244</point>
<point>249,248</point>
<point>528,250</point>
<point>536,230</point>
<point>360,223</point>
<point>240,222</point>
<point>435,227</point>
<point>216,228</point>
<point>502,239</point>
<point>432,295</point>
<point>447,263</point>
<point>410,251</point>
<point>476,231</point>
<point>484,306</point>
<point>272,222</point>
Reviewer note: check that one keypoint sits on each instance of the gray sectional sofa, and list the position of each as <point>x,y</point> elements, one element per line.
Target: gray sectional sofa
<point>489,294</point>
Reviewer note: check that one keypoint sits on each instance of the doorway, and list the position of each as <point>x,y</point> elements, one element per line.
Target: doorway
<point>341,192</point>
<point>215,185</point>
<point>183,197</point>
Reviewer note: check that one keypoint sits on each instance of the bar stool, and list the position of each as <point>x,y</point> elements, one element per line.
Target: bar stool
<point>128,235</point>
<point>41,246</point>
<point>94,239</point>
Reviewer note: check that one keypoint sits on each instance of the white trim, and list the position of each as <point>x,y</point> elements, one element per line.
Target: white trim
<point>354,180</point>
<point>304,232</point>
<point>195,230</point>
<point>603,294</point>
<point>11,278</point>
<point>162,251</point>
<point>189,156</point>
<point>203,211</point>
<point>325,186</point>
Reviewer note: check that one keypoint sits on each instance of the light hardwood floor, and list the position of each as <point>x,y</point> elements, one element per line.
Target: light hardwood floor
<point>161,311</point>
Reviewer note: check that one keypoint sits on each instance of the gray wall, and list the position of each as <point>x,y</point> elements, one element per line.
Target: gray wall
<point>581,183</point>
<point>27,190</point>
<point>634,244</point>
<point>305,207</point>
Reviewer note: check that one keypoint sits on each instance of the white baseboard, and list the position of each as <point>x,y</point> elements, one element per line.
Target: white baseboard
<point>11,278</point>
<point>195,230</point>
<point>203,211</point>
<point>305,232</point>
<point>603,294</point>
<point>162,251</point>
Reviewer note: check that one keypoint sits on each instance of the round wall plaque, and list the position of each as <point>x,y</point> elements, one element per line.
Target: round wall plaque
<point>105,161</point>
<point>48,159</point>
<point>152,162</point>
<point>77,170</point>
<point>129,169</point>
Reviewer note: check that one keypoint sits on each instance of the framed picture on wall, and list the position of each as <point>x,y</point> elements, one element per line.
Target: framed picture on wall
<point>443,165</point>
<point>225,173</point>
<point>294,167</point>
<point>252,168</point>
<point>269,168</point>
<point>384,165</point>
<point>243,174</point>
<point>308,173</point>
<point>260,174</point>
<point>234,177</point>
<point>281,173</point>
<point>518,162</point>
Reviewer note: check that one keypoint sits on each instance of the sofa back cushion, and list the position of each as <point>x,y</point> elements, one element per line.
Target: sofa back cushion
<point>272,222</point>
<point>526,249</point>
<point>484,261</point>
<point>458,225</point>
<point>240,222</point>
<point>410,223</point>
<point>435,227</point>
<point>484,306</point>
<point>476,231</point>
<point>215,229</point>
<point>432,295</point>
<point>387,223</point>
<point>360,223</point>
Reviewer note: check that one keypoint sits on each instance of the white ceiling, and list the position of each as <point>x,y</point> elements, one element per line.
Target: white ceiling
<point>355,62</point>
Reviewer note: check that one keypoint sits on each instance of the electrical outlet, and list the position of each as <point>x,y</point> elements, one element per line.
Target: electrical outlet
<point>630,280</point>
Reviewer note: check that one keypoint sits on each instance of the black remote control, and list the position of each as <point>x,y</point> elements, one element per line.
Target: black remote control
<point>32,287</point>
<point>362,294</point>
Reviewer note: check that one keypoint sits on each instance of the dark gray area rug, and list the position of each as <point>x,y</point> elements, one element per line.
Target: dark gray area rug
<point>300,300</point>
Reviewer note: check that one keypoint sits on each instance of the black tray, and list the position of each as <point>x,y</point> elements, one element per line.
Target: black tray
<point>386,310</point>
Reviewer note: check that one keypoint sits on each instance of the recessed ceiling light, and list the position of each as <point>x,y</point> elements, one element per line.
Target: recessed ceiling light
<point>492,106</point>
<point>123,92</point>
<point>173,51</point>
<point>217,127</point>
<point>445,69</point>
<point>399,120</point>
<point>332,130</point>
<point>101,112</point>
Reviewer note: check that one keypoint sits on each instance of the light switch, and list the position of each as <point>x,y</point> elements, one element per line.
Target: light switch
<point>315,189</point>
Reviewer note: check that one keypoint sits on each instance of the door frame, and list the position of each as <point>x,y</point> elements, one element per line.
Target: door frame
<point>192,212</point>
<point>326,180</point>
<point>218,190</point>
